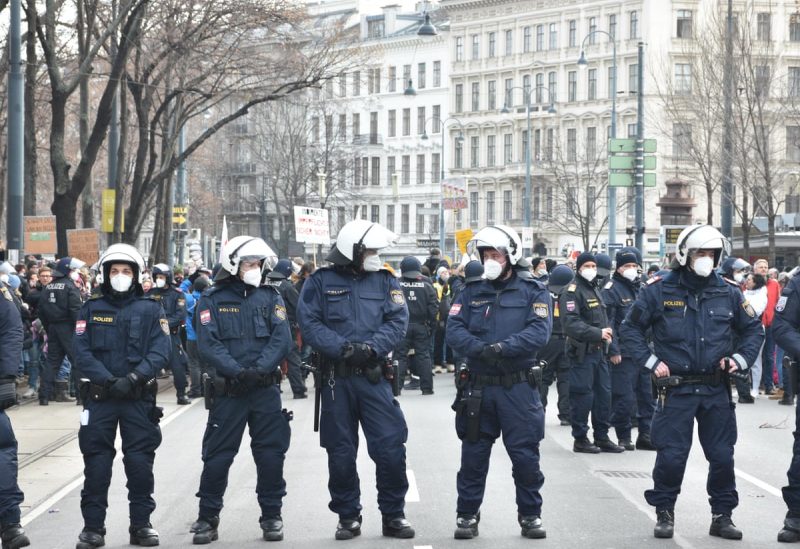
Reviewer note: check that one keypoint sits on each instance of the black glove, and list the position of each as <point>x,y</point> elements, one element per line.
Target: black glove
<point>359,354</point>
<point>123,387</point>
<point>249,377</point>
<point>491,353</point>
<point>8,393</point>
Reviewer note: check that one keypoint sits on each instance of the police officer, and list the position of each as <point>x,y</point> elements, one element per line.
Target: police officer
<point>174,303</point>
<point>279,278</point>
<point>58,308</point>
<point>423,304</point>
<point>734,271</point>
<point>243,335</point>
<point>630,383</point>
<point>604,266</point>
<point>588,332</point>
<point>499,324</point>
<point>354,314</point>
<point>701,328</point>
<point>11,533</point>
<point>121,342</point>
<point>554,353</point>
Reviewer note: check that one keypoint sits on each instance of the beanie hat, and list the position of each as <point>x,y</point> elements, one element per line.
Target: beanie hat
<point>410,267</point>
<point>625,256</point>
<point>473,271</point>
<point>282,269</point>
<point>583,258</point>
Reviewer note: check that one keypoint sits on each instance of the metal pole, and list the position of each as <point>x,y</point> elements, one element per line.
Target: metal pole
<point>726,201</point>
<point>639,175</point>
<point>113,132</point>
<point>612,191</point>
<point>16,130</point>
<point>526,203</point>
<point>441,199</point>
<point>180,192</point>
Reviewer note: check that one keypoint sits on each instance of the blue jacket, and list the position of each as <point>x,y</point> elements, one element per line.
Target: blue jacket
<point>115,336</point>
<point>174,302</point>
<point>191,303</point>
<point>514,313</point>
<point>11,328</point>
<point>338,306</point>
<point>619,294</point>
<point>695,324</point>
<point>786,323</point>
<point>239,326</point>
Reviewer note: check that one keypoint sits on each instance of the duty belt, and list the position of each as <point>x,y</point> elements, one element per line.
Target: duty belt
<point>506,380</point>
<point>701,379</point>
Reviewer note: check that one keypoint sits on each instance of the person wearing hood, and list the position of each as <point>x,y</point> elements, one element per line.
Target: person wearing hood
<point>279,278</point>
<point>121,339</point>
<point>701,328</point>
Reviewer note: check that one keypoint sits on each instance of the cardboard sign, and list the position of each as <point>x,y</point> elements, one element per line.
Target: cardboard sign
<point>40,234</point>
<point>84,244</point>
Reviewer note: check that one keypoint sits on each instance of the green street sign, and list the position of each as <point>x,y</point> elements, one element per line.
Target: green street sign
<point>627,180</point>
<point>649,146</point>
<point>616,145</point>
<point>629,162</point>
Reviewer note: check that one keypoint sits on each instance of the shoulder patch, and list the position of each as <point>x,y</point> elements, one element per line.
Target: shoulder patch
<point>654,280</point>
<point>205,317</point>
<point>80,327</point>
<point>181,302</point>
<point>781,304</point>
<point>397,297</point>
<point>608,285</point>
<point>164,326</point>
<point>748,309</point>
<point>280,312</point>
<point>455,309</point>
<point>572,287</point>
<point>542,310</point>
<point>570,306</point>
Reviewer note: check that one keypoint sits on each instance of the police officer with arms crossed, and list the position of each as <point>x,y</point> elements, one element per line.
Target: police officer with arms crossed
<point>11,533</point>
<point>174,303</point>
<point>243,335</point>
<point>354,314</point>
<point>423,304</point>
<point>701,329</point>
<point>588,332</point>
<point>121,341</point>
<point>499,324</point>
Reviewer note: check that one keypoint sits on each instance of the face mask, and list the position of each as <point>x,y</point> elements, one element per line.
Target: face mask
<point>492,269</point>
<point>74,275</point>
<point>373,263</point>
<point>739,277</point>
<point>295,268</point>
<point>160,283</point>
<point>589,274</point>
<point>444,277</point>
<point>703,266</point>
<point>252,277</point>
<point>121,283</point>
<point>630,274</point>
<point>542,272</point>
<point>4,278</point>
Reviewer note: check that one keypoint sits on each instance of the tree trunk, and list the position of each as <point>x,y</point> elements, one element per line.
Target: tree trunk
<point>65,209</point>
<point>709,203</point>
<point>87,196</point>
<point>63,203</point>
<point>29,199</point>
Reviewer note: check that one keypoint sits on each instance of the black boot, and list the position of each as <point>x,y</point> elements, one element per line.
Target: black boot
<point>91,538</point>
<point>643,442</point>
<point>143,535</point>
<point>584,446</point>
<point>348,528</point>
<point>467,526</point>
<point>665,523</point>
<point>627,444</point>
<point>532,527</point>
<point>205,530</point>
<point>791,530</point>
<point>397,527</point>
<point>786,400</point>
<point>183,400</point>
<point>62,392</point>
<point>723,527</point>
<point>746,399</point>
<point>13,536</point>
<point>272,527</point>
<point>606,445</point>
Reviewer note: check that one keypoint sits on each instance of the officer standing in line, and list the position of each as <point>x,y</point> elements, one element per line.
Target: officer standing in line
<point>500,324</point>
<point>354,314</point>
<point>174,303</point>
<point>121,342</point>
<point>58,308</point>
<point>279,279</point>
<point>630,383</point>
<point>11,533</point>
<point>554,353</point>
<point>423,304</point>
<point>243,335</point>
<point>604,267</point>
<point>588,331</point>
<point>734,271</point>
<point>701,329</point>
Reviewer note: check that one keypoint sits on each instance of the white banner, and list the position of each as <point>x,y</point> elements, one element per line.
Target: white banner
<point>527,237</point>
<point>311,225</point>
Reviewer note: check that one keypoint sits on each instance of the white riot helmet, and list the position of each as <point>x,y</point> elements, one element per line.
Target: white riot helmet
<point>120,253</point>
<point>355,238</point>
<point>248,248</point>
<point>701,237</point>
<point>500,237</point>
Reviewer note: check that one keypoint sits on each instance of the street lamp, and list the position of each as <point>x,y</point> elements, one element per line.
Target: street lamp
<point>582,63</point>
<point>427,28</point>
<point>410,88</point>
<point>526,202</point>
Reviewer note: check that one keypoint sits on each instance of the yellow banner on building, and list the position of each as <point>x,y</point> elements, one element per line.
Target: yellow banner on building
<point>109,198</point>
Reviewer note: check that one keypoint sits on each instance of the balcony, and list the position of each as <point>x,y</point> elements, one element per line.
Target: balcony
<point>240,128</point>
<point>242,168</point>
<point>368,139</point>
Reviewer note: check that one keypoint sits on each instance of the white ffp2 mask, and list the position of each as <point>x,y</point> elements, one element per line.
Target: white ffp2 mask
<point>121,283</point>
<point>373,263</point>
<point>589,274</point>
<point>252,277</point>
<point>703,266</point>
<point>492,269</point>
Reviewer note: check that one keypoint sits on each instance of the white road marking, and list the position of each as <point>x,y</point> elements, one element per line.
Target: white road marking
<point>412,496</point>
<point>423,547</point>
<point>45,506</point>
<point>760,483</point>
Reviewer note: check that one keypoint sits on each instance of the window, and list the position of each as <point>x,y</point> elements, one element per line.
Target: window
<point>342,127</point>
<point>572,145</point>
<point>508,97</point>
<point>392,79</point>
<point>404,215</point>
<point>365,174</point>
<point>794,81</point>
<point>537,203</point>
<point>492,43</point>
<point>592,84</point>
<point>684,28</point>
<point>633,78</point>
<point>553,37</point>
<point>392,130</point>
<point>539,37</point>
<point>476,96</point>
<point>572,86</point>
<point>591,143</point>
<point>375,214</point>
<point>526,39</point>
<point>794,28</point>
<point>421,76</point>
<point>473,207</point>
<point>315,129</point>
<point>526,89</point>
<point>490,150</point>
<point>343,85</point>
<point>420,169</point>
<point>592,31</point>
<point>421,120</point>
<point>524,147</point>
<point>633,131</point>
<point>490,207</point>
<point>436,167</point>
<point>328,128</point>
<point>340,216</point>
<point>434,223</point>
<point>683,79</point>
<point>611,82</point>
<point>633,25</point>
<point>681,140</point>
<point>539,86</point>
<point>459,97</point>
<point>376,81</point>
<point>549,145</point>
<point>537,145</point>
<point>548,204</point>
<point>437,74</point>
<point>793,146</point>
<point>552,87</point>
<point>509,42</point>
<point>391,176</point>
<point>406,121</point>
<point>476,46</point>
<point>762,80</point>
<point>612,26</point>
<point>329,88</point>
<point>459,160</point>
<point>573,33</point>
<point>356,124</point>
<point>406,75</point>
<point>357,83</point>
<point>474,151</point>
<point>390,217</point>
<point>356,173</point>
<point>492,94</point>
<point>406,169</point>
<point>507,148</point>
<point>373,128</point>
<point>459,48</point>
<point>436,118</point>
<point>763,26</point>
<point>506,206</point>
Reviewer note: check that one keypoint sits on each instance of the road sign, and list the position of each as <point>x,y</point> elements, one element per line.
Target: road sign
<point>649,146</point>
<point>311,225</point>
<point>671,233</point>
<point>427,243</point>
<point>626,179</point>
<point>178,219</point>
<point>177,210</point>
<point>629,162</point>
<point>616,145</point>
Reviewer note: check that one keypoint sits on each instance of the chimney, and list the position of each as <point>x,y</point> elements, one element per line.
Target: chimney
<point>390,18</point>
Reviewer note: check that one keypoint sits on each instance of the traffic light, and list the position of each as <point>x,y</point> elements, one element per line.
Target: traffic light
<point>630,230</point>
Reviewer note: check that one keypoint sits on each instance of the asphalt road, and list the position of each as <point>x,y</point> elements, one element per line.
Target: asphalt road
<point>589,501</point>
